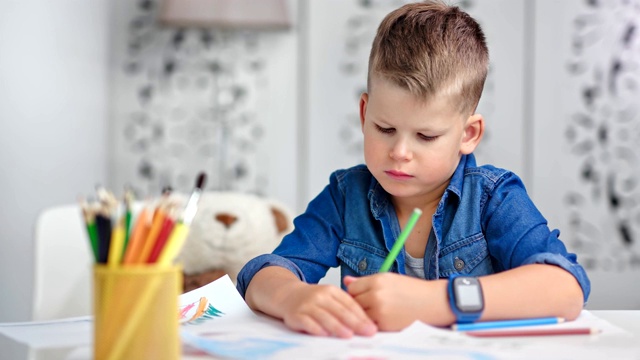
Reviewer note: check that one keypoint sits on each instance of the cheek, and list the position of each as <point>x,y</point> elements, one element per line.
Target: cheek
<point>373,149</point>
<point>439,160</point>
<point>449,163</point>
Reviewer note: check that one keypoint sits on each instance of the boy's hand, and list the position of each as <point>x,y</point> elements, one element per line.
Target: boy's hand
<point>395,301</point>
<point>325,310</point>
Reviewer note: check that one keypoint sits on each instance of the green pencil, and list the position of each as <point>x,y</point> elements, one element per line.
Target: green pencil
<point>90,222</point>
<point>127,219</point>
<point>397,246</point>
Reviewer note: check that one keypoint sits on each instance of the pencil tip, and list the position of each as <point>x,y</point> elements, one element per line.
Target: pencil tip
<point>202,177</point>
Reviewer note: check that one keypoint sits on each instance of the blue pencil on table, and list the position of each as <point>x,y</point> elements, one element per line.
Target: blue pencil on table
<point>507,323</point>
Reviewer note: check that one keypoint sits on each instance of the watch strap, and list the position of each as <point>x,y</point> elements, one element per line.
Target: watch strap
<point>461,316</point>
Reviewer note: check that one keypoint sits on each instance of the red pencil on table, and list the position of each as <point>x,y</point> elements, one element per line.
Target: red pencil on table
<point>533,332</point>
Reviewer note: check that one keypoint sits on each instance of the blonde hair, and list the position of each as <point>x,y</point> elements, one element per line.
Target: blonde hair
<point>430,49</point>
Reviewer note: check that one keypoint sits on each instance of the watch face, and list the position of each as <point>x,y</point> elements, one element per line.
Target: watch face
<point>468,294</point>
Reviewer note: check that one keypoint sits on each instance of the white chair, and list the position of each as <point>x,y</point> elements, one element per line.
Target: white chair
<point>63,265</point>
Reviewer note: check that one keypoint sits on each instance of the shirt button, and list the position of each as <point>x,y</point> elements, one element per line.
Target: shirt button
<point>458,264</point>
<point>362,265</point>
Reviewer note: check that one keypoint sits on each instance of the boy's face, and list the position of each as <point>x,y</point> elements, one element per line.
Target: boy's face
<point>413,147</point>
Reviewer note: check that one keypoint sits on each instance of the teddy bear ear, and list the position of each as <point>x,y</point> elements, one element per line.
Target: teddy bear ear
<point>282,221</point>
<point>281,216</point>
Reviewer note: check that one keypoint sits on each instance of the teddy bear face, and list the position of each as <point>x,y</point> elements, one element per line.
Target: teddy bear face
<point>231,228</point>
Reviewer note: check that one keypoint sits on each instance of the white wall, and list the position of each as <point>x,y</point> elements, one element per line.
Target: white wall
<point>586,163</point>
<point>176,131</point>
<point>53,93</point>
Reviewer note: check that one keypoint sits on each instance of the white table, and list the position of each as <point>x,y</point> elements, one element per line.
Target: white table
<point>628,320</point>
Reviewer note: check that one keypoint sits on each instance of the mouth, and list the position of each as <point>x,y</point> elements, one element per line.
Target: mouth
<point>398,175</point>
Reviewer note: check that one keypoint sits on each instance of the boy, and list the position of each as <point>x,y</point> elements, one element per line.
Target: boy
<point>427,68</point>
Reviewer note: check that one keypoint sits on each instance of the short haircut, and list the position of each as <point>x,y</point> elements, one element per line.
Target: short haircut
<point>430,49</point>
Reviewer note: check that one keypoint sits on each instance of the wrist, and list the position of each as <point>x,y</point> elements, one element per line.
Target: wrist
<point>270,288</point>
<point>466,299</point>
<point>448,317</point>
<point>434,304</point>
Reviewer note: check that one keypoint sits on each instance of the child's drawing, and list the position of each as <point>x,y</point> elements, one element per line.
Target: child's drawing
<point>198,311</point>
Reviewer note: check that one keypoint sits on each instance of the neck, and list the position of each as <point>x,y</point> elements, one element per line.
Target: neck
<point>427,203</point>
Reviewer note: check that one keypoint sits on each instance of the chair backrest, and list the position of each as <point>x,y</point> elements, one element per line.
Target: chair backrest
<point>63,265</point>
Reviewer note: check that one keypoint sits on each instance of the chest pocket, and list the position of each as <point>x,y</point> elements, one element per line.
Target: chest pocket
<point>468,256</point>
<point>359,258</point>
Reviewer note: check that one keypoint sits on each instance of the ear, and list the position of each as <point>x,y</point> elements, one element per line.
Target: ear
<point>280,219</point>
<point>281,216</point>
<point>364,100</point>
<point>472,134</point>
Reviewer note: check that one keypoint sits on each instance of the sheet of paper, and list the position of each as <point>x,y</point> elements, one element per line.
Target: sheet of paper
<point>266,338</point>
<point>216,302</point>
<point>257,336</point>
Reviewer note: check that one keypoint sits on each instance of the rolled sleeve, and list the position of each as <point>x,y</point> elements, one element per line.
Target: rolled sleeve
<point>571,266</point>
<point>260,262</point>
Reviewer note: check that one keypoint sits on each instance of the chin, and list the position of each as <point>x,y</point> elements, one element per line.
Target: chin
<point>398,189</point>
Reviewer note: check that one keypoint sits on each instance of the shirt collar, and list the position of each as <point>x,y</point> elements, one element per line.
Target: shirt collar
<point>457,179</point>
<point>379,198</point>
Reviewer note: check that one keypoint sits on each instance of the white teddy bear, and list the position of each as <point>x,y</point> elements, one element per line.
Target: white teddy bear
<point>229,229</point>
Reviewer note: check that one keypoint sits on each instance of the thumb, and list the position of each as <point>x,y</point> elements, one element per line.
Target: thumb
<point>348,280</point>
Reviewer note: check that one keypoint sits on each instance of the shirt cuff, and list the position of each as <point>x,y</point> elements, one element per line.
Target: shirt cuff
<point>575,269</point>
<point>258,263</point>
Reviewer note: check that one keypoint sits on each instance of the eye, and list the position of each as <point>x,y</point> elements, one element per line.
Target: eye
<point>385,130</point>
<point>427,138</point>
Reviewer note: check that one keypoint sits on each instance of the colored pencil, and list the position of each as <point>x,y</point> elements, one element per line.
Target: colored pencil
<point>156,226</point>
<point>117,242</point>
<point>161,240</point>
<point>174,244</point>
<point>103,226</point>
<point>93,235</point>
<point>397,246</point>
<point>90,222</point>
<point>533,332</point>
<point>128,198</point>
<point>507,323</point>
<point>138,236</point>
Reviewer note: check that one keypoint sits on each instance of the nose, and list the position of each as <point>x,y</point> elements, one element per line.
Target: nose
<point>226,219</point>
<point>400,151</point>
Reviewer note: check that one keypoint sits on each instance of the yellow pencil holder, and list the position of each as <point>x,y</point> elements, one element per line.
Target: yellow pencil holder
<point>136,312</point>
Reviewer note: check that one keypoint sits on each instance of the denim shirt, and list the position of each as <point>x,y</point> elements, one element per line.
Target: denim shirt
<point>485,223</point>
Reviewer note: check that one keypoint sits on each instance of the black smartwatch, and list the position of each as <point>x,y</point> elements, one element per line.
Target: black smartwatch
<point>465,297</point>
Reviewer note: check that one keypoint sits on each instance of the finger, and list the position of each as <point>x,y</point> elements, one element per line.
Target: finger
<point>324,317</point>
<point>332,324</point>
<point>366,301</point>
<point>352,315</point>
<point>306,324</point>
<point>356,286</point>
<point>348,280</point>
